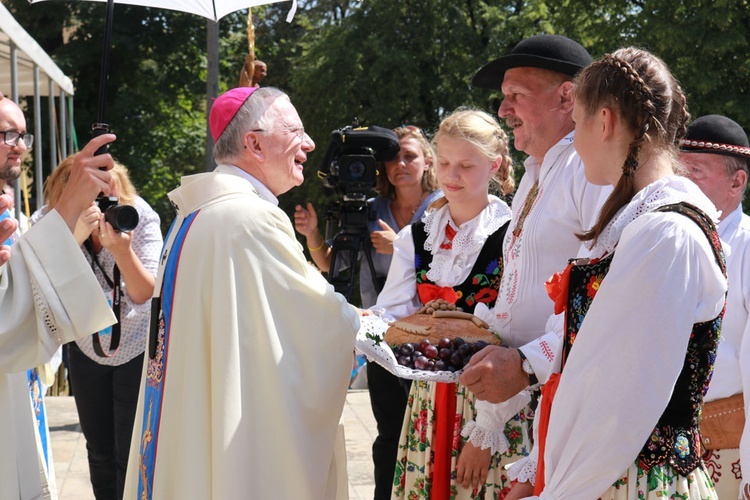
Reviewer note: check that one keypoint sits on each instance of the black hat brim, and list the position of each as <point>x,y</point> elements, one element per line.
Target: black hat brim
<point>490,76</point>
<point>716,134</point>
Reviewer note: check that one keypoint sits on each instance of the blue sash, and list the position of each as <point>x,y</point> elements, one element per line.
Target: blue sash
<point>37,405</point>
<point>3,216</point>
<point>157,365</point>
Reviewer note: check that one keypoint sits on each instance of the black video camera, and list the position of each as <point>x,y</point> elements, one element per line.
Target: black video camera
<point>121,217</point>
<point>350,162</point>
<point>350,169</point>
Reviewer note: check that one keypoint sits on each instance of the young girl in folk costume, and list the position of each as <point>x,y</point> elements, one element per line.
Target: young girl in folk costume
<point>454,253</point>
<point>642,317</point>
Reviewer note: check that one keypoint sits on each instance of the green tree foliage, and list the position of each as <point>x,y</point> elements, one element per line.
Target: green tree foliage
<point>385,62</point>
<point>156,91</point>
<point>705,45</point>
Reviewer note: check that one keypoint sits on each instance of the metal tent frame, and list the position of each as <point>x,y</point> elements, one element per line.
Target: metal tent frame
<point>27,70</point>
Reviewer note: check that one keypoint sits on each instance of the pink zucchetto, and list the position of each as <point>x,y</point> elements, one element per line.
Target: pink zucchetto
<point>225,107</point>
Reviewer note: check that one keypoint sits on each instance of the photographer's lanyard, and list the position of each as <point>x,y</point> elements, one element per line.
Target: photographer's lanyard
<point>116,285</point>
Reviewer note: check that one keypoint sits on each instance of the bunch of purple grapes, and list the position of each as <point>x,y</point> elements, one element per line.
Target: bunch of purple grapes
<point>448,355</point>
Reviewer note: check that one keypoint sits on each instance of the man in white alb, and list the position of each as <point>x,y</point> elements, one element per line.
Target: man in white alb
<point>48,297</point>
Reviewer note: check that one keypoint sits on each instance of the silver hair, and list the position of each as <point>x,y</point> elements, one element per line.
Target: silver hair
<point>733,164</point>
<point>254,114</point>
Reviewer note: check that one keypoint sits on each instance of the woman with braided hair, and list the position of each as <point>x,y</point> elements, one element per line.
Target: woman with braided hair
<point>641,316</point>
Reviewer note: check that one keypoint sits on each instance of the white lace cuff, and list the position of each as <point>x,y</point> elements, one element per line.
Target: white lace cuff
<point>487,430</point>
<point>523,471</point>
<point>484,438</point>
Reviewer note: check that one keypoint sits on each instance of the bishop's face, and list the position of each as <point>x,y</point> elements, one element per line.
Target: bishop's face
<point>285,149</point>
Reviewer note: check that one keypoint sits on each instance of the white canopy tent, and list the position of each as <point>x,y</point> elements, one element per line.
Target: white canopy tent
<point>26,70</point>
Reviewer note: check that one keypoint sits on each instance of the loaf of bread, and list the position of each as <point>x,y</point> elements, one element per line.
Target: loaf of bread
<point>436,320</point>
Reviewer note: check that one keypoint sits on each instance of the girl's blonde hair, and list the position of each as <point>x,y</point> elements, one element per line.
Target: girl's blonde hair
<point>56,182</point>
<point>483,132</point>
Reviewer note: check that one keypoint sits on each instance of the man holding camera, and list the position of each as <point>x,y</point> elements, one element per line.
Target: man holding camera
<point>48,297</point>
<point>250,348</point>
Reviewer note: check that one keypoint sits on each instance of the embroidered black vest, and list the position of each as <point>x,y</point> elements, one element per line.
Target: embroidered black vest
<point>483,281</point>
<point>676,437</point>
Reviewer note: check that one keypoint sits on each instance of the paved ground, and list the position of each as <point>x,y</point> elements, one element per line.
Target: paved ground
<point>71,466</point>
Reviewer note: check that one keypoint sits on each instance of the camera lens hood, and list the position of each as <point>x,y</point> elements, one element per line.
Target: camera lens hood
<point>122,217</point>
<point>382,141</point>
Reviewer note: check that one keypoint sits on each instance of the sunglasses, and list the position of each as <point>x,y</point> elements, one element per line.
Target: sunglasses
<point>412,128</point>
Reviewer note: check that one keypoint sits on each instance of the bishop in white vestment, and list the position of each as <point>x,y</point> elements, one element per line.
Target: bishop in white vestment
<point>250,354</point>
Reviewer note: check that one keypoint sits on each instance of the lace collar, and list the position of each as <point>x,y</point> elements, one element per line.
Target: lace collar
<point>665,191</point>
<point>447,265</point>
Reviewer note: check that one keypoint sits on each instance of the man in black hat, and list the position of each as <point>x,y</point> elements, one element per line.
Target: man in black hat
<point>716,153</point>
<point>554,202</point>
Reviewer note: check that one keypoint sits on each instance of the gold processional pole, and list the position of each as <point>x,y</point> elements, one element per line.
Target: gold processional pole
<point>248,68</point>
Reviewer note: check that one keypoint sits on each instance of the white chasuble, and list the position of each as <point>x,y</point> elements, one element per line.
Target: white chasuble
<point>245,383</point>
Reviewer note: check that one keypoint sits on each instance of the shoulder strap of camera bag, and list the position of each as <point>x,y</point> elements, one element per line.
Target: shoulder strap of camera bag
<point>115,285</point>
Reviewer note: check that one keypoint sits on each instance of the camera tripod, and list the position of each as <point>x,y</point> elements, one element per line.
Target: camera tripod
<point>345,248</point>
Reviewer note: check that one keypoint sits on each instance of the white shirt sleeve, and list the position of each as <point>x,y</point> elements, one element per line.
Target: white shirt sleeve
<point>744,360</point>
<point>48,296</point>
<point>745,441</point>
<point>544,353</point>
<point>487,429</point>
<point>732,368</point>
<point>399,296</point>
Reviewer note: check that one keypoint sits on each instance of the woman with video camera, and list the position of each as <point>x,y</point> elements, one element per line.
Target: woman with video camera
<point>404,192</point>
<point>105,382</point>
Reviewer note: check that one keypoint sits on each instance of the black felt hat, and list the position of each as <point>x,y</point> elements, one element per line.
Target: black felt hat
<point>716,134</point>
<point>552,52</point>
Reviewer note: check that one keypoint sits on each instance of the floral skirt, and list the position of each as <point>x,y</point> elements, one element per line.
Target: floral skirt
<point>413,477</point>
<point>662,482</point>
<point>724,468</point>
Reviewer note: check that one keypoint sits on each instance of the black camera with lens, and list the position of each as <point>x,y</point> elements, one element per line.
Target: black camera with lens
<point>121,217</point>
<point>350,170</point>
<point>350,162</point>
